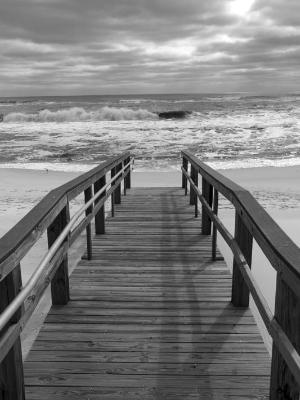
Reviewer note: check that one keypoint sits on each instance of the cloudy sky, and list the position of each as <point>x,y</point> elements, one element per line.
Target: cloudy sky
<point>60,47</point>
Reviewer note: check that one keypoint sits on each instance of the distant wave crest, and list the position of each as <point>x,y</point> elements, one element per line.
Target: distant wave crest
<point>75,114</point>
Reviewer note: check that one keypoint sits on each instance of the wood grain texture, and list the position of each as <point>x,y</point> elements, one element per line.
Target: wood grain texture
<point>287,313</point>
<point>60,290</point>
<point>11,367</point>
<point>17,242</point>
<point>150,316</point>
<point>240,290</point>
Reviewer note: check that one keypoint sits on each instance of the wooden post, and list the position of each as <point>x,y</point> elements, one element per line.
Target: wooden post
<point>100,216</point>
<point>124,184</point>
<point>207,193</point>
<point>128,177</point>
<point>184,179</point>
<point>214,235</point>
<point>60,283</point>
<point>287,314</point>
<point>240,291</point>
<point>193,195</point>
<point>118,189</point>
<point>11,368</point>
<point>88,194</point>
<point>112,174</point>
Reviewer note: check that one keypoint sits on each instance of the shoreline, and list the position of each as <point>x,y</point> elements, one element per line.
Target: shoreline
<point>277,189</point>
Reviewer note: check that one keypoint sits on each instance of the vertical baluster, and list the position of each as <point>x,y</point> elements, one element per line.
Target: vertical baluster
<point>207,193</point>
<point>100,216</point>
<point>88,194</point>
<point>287,313</point>
<point>118,189</point>
<point>11,368</point>
<point>194,176</point>
<point>60,283</point>
<point>128,177</point>
<point>124,184</point>
<point>240,291</point>
<point>214,235</point>
<point>112,174</point>
<point>184,179</point>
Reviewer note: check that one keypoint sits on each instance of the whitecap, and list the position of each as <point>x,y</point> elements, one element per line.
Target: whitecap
<point>74,114</point>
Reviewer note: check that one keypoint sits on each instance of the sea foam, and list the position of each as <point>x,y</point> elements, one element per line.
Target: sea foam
<point>80,114</point>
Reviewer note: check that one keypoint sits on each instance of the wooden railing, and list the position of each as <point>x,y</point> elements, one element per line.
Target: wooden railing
<point>52,213</point>
<point>253,222</point>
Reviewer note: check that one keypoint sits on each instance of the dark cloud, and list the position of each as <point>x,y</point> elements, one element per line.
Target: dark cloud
<point>75,46</point>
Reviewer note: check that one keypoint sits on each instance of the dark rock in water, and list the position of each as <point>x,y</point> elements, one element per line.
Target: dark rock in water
<point>66,156</point>
<point>173,114</point>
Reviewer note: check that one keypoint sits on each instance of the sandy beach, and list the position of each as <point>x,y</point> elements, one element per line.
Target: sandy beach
<point>277,189</point>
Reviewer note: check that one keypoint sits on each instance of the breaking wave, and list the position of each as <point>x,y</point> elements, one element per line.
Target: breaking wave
<point>75,114</point>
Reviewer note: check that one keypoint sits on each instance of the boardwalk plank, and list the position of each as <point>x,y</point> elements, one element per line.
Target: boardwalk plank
<point>150,316</point>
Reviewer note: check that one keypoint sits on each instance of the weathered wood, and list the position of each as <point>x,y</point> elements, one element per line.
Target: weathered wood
<point>88,194</point>
<point>151,310</point>
<point>11,368</point>
<point>244,239</point>
<point>261,359</point>
<point>124,381</point>
<point>60,291</point>
<point>16,243</point>
<point>118,188</point>
<point>112,174</point>
<point>193,196</point>
<point>128,368</point>
<point>124,184</point>
<point>280,250</point>
<point>127,180</point>
<point>11,335</point>
<point>184,180</point>
<point>100,216</point>
<point>13,259</point>
<point>178,392</point>
<point>287,313</point>
<point>215,231</point>
<point>207,193</point>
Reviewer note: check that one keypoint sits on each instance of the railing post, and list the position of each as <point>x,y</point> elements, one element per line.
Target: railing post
<point>184,179</point>
<point>60,283</point>
<point>88,194</point>
<point>127,182</point>
<point>118,189</point>
<point>287,314</point>
<point>207,193</point>
<point>194,176</point>
<point>11,368</point>
<point>214,234</point>
<point>112,174</point>
<point>124,184</point>
<point>100,216</point>
<point>193,194</point>
<point>240,291</point>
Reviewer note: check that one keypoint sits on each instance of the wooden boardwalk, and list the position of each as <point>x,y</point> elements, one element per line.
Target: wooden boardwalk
<point>150,316</point>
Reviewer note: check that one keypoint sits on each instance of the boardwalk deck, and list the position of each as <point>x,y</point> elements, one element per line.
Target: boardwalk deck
<point>150,316</point>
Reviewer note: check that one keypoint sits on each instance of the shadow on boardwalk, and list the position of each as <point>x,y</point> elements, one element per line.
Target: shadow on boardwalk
<point>187,366</point>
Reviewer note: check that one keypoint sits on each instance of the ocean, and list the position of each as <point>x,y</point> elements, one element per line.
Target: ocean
<point>76,132</point>
<point>226,131</point>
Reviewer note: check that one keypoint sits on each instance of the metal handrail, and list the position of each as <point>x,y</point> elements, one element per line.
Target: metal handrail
<point>18,301</point>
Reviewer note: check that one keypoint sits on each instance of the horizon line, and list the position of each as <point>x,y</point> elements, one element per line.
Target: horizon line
<point>250,94</point>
